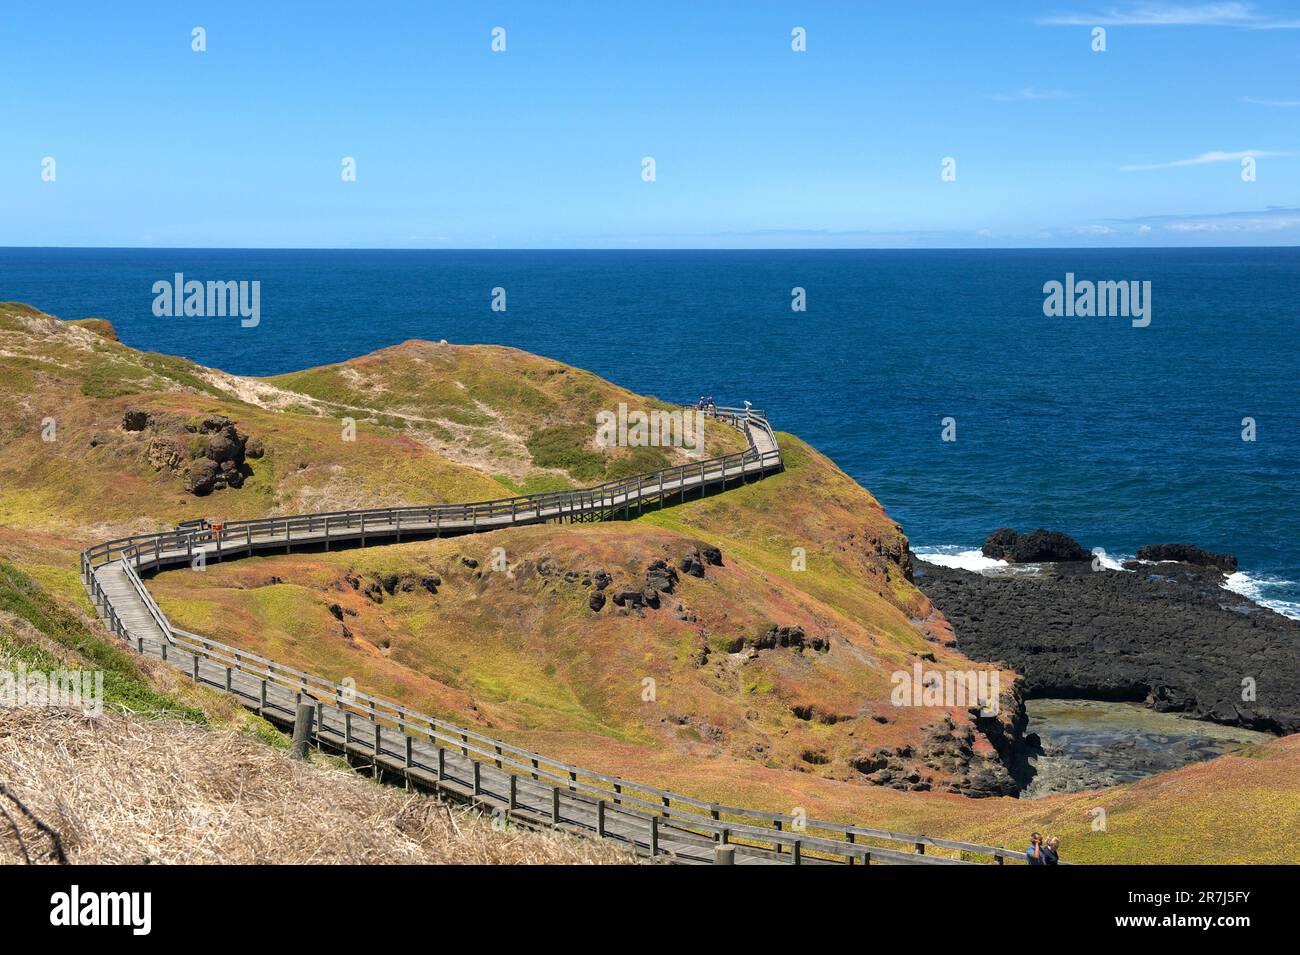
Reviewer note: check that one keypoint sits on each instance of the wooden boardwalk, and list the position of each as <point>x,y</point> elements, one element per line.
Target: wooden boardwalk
<point>516,785</point>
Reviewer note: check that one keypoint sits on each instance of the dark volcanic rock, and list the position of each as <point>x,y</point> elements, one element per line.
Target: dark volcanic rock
<point>710,555</point>
<point>1188,554</point>
<point>636,599</point>
<point>694,562</point>
<point>691,564</point>
<point>596,601</point>
<point>135,420</point>
<point>1034,547</point>
<point>1168,635</point>
<point>950,748</point>
<point>659,576</point>
<point>776,636</point>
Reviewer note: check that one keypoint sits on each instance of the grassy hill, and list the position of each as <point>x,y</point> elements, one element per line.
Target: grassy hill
<point>518,648</point>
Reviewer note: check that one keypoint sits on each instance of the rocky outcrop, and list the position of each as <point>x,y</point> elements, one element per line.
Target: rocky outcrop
<point>660,577</point>
<point>135,420</point>
<point>949,759</point>
<point>950,748</point>
<point>1167,635</point>
<point>1188,554</point>
<point>695,562</point>
<point>208,453</point>
<point>636,599</point>
<point>374,587</point>
<point>1035,547</point>
<point>775,636</point>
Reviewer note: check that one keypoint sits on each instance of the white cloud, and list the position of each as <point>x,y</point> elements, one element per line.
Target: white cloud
<point>1266,223</point>
<point>1160,14</point>
<point>1203,158</point>
<point>1282,103</point>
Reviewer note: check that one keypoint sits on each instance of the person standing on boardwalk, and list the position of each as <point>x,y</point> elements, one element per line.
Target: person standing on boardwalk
<point>1034,854</point>
<point>1052,851</point>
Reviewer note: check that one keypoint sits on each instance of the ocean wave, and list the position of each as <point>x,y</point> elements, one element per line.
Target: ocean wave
<point>949,555</point>
<point>1259,589</point>
<point>1108,562</point>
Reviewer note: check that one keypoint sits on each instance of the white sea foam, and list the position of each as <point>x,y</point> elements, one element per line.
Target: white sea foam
<point>947,555</point>
<point>1108,562</point>
<point>1256,588</point>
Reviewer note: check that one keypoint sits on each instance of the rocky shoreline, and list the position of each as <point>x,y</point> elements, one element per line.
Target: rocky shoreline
<point>1165,634</point>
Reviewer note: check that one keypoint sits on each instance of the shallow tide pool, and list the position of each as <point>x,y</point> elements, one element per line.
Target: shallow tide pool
<point>1089,744</point>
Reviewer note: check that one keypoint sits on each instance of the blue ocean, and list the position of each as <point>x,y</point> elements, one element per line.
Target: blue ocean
<point>1116,434</point>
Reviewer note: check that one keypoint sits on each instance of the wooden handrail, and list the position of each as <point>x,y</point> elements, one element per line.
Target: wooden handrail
<point>685,813</point>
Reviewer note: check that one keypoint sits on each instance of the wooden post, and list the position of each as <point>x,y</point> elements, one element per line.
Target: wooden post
<point>600,818</point>
<point>654,836</point>
<point>795,851</point>
<point>724,855</point>
<point>555,805</point>
<point>920,848</point>
<point>302,721</point>
<point>514,791</point>
<point>478,780</point>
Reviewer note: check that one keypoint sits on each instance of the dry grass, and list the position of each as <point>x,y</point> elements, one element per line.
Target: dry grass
<point>122,789</point>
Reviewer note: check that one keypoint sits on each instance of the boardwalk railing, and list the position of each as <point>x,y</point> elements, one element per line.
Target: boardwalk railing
<point>592,503</point>
<point>522,784</point>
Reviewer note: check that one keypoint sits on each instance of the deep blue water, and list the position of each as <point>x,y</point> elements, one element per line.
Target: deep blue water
<point>1118,435</point>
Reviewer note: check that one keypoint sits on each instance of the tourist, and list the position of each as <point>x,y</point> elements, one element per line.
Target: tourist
<point>1034,854</point>
<point>1052,851</point>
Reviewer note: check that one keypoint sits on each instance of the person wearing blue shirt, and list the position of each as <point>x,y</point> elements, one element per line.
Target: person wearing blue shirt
<point>1034,854</point>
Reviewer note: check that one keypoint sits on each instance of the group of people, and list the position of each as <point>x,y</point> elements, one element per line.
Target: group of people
<point>706,404</point>
<point>1043,853</point>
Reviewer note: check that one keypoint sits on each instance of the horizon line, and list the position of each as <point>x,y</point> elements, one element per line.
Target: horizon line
<point>473,248</point>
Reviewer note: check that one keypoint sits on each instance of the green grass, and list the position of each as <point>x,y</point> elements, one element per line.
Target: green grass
<point>113,379</point>
<point>124,684</point>
<point>534,483</point>
<point>567,447</point>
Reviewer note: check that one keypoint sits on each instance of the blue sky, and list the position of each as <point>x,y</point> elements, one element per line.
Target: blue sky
<point>755,145</point>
